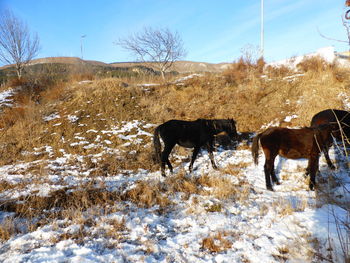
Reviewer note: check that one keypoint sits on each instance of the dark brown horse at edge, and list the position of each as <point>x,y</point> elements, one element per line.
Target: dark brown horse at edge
<point>340,121</point>
<point>293,144</point>
<point>190,134</point>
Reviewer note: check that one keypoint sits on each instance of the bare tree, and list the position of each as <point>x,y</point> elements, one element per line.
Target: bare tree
<point>160,47</point>
<point>17,45</point>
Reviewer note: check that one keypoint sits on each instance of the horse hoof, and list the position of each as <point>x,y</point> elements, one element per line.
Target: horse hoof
<point>269,188</point>
<point>278,183</point>
<point>332,167</point>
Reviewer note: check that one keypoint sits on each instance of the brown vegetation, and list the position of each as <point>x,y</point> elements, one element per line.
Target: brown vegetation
<point>248,92</point>
<point>216,243</point>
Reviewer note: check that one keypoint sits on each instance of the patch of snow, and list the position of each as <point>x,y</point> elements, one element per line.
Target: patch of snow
<point>5,98</point>
<point>289,118</point>
<point>51,117</point>
<point>85,82</point>
<point>191,76</point>
<point>327,53</point>
<point>72,118</point>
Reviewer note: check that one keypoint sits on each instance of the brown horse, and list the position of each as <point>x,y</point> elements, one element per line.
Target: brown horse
<point>293,144</point>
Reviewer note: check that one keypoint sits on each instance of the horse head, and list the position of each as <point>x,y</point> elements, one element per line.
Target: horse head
<point>232,131</point>
<point>228,126</point>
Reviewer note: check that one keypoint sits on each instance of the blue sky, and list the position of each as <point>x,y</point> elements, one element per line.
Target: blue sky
<point>212,30</point>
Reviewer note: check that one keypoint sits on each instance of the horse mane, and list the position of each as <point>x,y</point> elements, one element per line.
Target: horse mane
<point>217,123</point>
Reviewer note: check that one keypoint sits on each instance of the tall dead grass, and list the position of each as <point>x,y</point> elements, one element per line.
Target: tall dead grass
<point>251,97</point>
<point>248,92</point>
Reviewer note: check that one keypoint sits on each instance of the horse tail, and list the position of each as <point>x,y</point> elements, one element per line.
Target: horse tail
<point>255,148</point>
<point>157,145</point>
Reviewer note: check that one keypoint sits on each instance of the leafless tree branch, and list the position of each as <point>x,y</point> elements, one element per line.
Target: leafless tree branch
<point>17,45</point>
<point>329,38</point>
<point>161,47</point>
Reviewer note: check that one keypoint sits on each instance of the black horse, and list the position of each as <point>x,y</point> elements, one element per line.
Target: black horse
<point>190,134</point>
<point>339,119</point>
<point>306,142</point>
<point>340,123</point>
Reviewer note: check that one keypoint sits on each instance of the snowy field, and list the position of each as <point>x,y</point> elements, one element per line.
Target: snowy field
<point>252,224</point>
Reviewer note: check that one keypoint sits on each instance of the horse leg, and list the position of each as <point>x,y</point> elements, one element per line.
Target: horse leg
<point>269,169</point>
<point>307,171</point>
<point>313,168</point>
<point>274,177</point>
<point>194,156</point>
<point>326,155</point>
<point>211,155</point>
<point>165,158</point>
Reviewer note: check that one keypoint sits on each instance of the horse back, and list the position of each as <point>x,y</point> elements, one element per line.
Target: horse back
<point>185,133</point>
<point>330,116</point>
<point>288,143</point>
<point>335,118</point>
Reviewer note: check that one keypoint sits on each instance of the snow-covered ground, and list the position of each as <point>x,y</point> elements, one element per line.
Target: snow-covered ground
<point>250,225</point>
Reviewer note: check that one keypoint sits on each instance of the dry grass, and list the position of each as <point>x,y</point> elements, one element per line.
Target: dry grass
<point>4,185</point>
<point>216,243</point>
<point>223,188</point>
<point>314,64</point>
<point>64,199</point>
<point>146,195</point>
<point>243,71</point>
<point>296,250</point>
<point>247,92</point>
<point>240,93</point>
<point>8,229</point>
<point>251,99</point>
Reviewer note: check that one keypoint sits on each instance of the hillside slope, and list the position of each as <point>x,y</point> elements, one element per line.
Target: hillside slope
<point>79,181</point>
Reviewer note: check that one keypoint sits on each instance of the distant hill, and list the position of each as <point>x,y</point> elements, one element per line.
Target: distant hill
<point>184,66</point>
<point>179,66</point>
<point>62,67</point>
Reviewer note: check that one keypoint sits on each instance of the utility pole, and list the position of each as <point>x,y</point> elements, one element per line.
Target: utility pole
<point>81,45</point>
<point>262,29</point>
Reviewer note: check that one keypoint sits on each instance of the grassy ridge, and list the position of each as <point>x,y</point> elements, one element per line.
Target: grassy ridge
<point>243,92</point>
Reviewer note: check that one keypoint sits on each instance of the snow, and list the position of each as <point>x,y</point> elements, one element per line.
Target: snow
<point>51,117</point>
<point>256,228</point>
<point>327,53</point>
<point>5,98</point>
<point>289,118</point>
<point>191,76</point>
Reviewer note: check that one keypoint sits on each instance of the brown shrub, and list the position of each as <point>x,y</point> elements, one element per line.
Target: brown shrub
<point>4,185</point>
<point>216,243</point>
<point>146,195</point>
<point>278,71</point>
<point>244,70</point>
<point>12,115</point>
<point>37,206</point>
<point>8,229</point>
<point>314,64</point>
